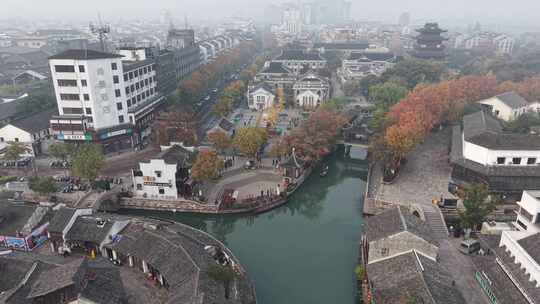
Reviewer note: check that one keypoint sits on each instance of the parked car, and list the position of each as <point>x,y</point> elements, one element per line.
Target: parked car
<point>469,246</point>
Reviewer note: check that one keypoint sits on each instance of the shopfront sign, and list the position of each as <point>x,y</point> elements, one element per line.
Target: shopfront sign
<point>158,184</point>
<point>86,137</point>
<point>115,133</point>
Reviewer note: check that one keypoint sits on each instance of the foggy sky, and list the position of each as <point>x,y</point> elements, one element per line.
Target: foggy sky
<point>492,11</point>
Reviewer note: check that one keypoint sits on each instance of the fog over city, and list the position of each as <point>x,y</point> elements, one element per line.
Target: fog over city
<point>522,12</point>
<point>269,151</point>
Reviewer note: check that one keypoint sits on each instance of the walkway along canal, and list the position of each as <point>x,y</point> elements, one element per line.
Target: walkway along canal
<point>304,251</point>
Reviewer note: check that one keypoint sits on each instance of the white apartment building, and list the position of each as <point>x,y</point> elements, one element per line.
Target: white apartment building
<point>522,245</point>
<point>528,215</point>
<point>292,21</point>
<point>361,64</point>
<point>102,97</point>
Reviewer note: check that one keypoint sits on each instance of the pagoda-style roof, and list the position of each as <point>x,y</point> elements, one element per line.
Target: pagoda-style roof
<point>431,28</point>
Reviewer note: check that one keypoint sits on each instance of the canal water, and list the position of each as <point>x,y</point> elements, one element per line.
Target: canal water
<point>305,251</point>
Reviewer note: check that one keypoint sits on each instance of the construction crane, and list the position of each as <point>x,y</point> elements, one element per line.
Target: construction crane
<point>101,30</point>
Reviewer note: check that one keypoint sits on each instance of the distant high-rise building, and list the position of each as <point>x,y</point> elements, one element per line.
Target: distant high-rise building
<point>404,19</point>
<point>180,38</point>
<point>429,42</point>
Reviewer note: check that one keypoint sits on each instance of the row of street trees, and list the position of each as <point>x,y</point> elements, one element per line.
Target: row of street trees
<point>192,89</point>
<point>229,98</point>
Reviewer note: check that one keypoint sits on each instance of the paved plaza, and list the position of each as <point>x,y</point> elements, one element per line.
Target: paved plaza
<point>424,176</point>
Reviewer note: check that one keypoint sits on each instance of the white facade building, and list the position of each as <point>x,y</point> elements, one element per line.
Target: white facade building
<point>165,177</point>
<point>360,65</point>
<point>528,215</point>
<point>506,106</point>
<point>504,44</point>
<point>158,180</point>
<point>261,97</point>
<point>101,97</point>
<point>311,90</point>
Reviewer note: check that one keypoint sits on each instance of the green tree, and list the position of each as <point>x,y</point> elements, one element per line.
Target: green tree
<point>384,96</point>
<point>249,140</point>
<point>335,104</point>
<point>413,72</point>
<point>207,166</point>
<point>61,150</point>
<point>88,161</point>
<point>15,150</point>
<point>43,185</point>
<point>223,274</point>
<point>478,204</point>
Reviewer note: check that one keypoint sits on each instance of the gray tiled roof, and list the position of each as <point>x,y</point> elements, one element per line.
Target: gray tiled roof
<point>64,276</point>
<point>9,109</point>
<point>513,100</point>
<point>531,244</point>
<point>60,219</point>
<point>412,275</point>
<point>275,68</point>
<point>14,217</point>
<point>394,221</point>
<point>299,55</point>
<point>485,130</point>
<point>371,56</point>
<point>343,46</point>
<point>36,122</point>
<point>17,269</point>
<point>179,156</point>
<point>86,229</point>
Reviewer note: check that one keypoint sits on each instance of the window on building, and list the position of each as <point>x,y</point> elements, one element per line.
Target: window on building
<point>132,88</point>
<point>70,97</point>
<point>161,191</point>
<point>501,160</point>
<point>84,83</point>
<point>64,68</point>
<point>102,84</point>
<point>72,111</point>
<point>150,79</point>
<point>116,79</point>
<point>88,111</point>
<point>139,97</point>
<point>516,160</point>
<point>129,103</point>
<point>117,93</point>
<point>82,69</point>
<point>133,100</point>
<point>16,139</point>
<point>142,83</point>
<point>531,161</point>
<point>86,97</point>
<point>2,139</point>
<point>137,86</point>
<point>158,173</point>
<point>145,70</point>
<point>139,186</point>
<point>130,75</point>
<point>143,95</point>
<point>121,119</point>
<point>126,77</point>
<point>136,73</point>
<point>127,90</point>
<point>66,83</point>
<point>119,106</point>
<point>384,251</point>
<point>151,91</point>
<point>114,66</point>
<point>146,81</point>
<point>521,224</point>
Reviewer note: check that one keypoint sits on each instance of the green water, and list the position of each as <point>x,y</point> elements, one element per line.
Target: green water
<point>305,251</point>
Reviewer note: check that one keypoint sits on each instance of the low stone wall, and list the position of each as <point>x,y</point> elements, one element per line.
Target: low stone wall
<point>162,205</point>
